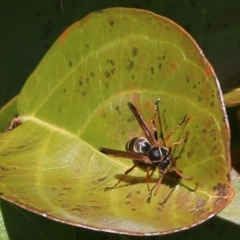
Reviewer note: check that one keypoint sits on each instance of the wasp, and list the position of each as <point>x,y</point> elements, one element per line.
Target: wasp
<point>148,153</point>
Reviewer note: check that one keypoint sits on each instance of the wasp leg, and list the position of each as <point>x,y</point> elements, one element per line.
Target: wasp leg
<point>154,129</point>
<point>181,175</point>
<point>185,119</point>
<point>179,142</point>
<point>122,177</point>
<point>155,186</point>
<point>148,176</point>
<point>156,113</point>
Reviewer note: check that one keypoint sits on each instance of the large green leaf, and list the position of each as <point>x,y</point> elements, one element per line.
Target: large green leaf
<point>76,101</point>
<point>18,221</point>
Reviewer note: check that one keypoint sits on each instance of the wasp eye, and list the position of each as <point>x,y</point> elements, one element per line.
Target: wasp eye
<point>164,163</point>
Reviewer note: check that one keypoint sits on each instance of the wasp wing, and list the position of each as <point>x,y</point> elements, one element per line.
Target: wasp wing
<point>123,154</point>
<point>150,137</point>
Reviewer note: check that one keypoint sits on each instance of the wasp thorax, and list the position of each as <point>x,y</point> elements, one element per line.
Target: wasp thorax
<point>155,154</point>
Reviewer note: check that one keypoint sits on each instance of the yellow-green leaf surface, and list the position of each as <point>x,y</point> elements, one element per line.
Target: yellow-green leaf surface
<point>76,101</point>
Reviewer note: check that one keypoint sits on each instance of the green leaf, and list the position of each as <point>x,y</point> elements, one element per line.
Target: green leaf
<point>76,101</point>
<point>232,98</point>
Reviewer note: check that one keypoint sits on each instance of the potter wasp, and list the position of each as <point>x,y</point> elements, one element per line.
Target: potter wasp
<point>148,153</point>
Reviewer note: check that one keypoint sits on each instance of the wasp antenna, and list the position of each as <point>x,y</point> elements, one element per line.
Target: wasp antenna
<point>131,106</point>
<point>157,101</point>
<point>185,119</point>
<point>103,150</point>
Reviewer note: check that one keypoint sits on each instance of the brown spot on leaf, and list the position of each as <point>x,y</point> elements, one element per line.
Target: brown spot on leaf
<point>4,168</point>
<point>61,194</point>
<point>134,51</point>
<point>99,180</point>
<point>200,203</point>
<point>218,202</point>
<point>21,146</point>
<point>190,153</point>
<point>131,119</point>
<point>85,208</point>
<point>130,65</point>
<point>118,109</point>
<point>212,133</point>
<point>107,74</point>
<point>162,57</point>
<point>65,205</point>
<point>174,66</point>
<point>204,131</point>
<point>160,208</point>
<point>129,195</point>
<point>110,62</point>
<point>152,70</point>
<point>208,71</point>
<point>80,82</point>
<point>214,148</point>
<point>221,190</point>
<point>113,70</point>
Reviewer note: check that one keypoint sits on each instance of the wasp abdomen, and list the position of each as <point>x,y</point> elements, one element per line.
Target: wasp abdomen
<point>140,145</point>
